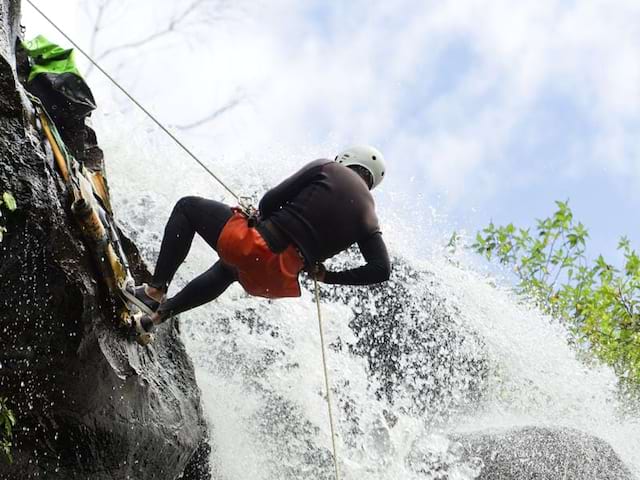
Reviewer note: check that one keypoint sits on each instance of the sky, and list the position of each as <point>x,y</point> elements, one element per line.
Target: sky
<point>484,110</point>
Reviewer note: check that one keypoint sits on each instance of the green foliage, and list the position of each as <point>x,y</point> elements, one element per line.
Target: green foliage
<point>600,303</point>
<point>7,422</point>
<point>9,203</point>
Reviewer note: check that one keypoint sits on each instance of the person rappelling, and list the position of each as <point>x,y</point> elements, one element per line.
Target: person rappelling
<point>311,216</point>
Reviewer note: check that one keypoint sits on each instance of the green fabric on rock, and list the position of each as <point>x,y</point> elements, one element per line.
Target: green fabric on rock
<point>49,58</point>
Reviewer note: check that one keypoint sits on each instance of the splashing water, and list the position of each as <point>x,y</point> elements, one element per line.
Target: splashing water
<point>436,351</point>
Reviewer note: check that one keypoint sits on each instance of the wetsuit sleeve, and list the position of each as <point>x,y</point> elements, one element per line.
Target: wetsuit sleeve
<point>376,270</point>
<point>288,189</point>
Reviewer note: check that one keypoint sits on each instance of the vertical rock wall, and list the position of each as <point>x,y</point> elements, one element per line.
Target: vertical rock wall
<point>89,403</point>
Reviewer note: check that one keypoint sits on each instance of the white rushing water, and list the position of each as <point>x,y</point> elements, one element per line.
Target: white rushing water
<point>258,362</point>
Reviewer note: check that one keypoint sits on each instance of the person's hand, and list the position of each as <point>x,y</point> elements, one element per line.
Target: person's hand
<point>317,271</point>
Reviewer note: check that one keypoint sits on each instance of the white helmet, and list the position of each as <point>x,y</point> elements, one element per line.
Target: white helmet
<point>367,157</point>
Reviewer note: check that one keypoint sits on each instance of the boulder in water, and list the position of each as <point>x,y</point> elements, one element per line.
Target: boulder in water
<point>542,453</point>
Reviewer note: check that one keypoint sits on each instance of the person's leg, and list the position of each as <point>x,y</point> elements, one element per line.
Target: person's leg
<point>203,289</point>
<point>190,215</point>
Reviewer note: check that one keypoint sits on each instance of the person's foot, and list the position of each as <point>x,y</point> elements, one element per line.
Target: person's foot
<point>148,298</point>
<point>144,323</point>
<point>138,297</point>
<point>143,326</point>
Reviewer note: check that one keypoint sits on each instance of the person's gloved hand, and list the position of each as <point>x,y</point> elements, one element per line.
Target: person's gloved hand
<point>317,271</point>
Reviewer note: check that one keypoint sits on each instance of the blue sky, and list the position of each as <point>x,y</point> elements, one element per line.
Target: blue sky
<point>488,109</point>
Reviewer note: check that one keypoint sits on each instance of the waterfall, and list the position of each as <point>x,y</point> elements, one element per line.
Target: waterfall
<point>440,352</point>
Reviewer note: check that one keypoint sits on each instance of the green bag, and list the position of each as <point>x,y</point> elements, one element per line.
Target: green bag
<point>55,79</point>
<point>49,58</point>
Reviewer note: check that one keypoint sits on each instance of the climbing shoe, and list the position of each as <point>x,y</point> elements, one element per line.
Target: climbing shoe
<point>141,294</point>
<point>143,328</point>
<point>138,296</point>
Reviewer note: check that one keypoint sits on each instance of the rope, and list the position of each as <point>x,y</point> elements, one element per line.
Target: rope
<point>326,380</point>
<point>240,200</point>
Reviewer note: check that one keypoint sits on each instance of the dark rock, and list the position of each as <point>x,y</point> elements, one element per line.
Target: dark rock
<point>199,467</point>
<point>89,403</point>
<point>542,454</point>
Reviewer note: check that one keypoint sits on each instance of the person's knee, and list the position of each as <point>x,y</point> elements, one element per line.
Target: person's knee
<point>186,203</point>
<point>186,206</point>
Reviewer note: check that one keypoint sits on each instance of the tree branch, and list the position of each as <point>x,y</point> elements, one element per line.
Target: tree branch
<point>212,116</point>
<point>97,27</point>
<point>545,270</point>
<point>172,26</point>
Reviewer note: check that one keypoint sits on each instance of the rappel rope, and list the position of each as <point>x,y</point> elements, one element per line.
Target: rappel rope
<point>241,201</point>
<point>326,379</point>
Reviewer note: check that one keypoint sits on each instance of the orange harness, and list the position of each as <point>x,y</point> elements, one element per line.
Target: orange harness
<point>260,271</point>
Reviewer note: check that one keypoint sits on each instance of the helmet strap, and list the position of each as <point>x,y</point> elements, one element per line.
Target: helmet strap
<point>364,173</point>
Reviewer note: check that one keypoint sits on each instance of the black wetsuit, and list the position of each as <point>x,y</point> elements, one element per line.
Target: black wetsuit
<point>322,209</point>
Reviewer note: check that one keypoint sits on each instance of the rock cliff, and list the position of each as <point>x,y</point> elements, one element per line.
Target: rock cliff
<point>89,403</point>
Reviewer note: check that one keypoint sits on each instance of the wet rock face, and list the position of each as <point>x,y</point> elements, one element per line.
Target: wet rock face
<point>542,454</point>
<point>89,403</point>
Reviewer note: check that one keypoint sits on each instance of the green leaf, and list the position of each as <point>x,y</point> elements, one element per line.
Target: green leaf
<point>9,201</point>
<point>11,417</point>
<point>453,240</point>
<point>623,243</point>
<point>6,448</point>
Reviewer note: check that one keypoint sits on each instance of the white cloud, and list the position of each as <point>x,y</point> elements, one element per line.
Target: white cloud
<point>350,74</point>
